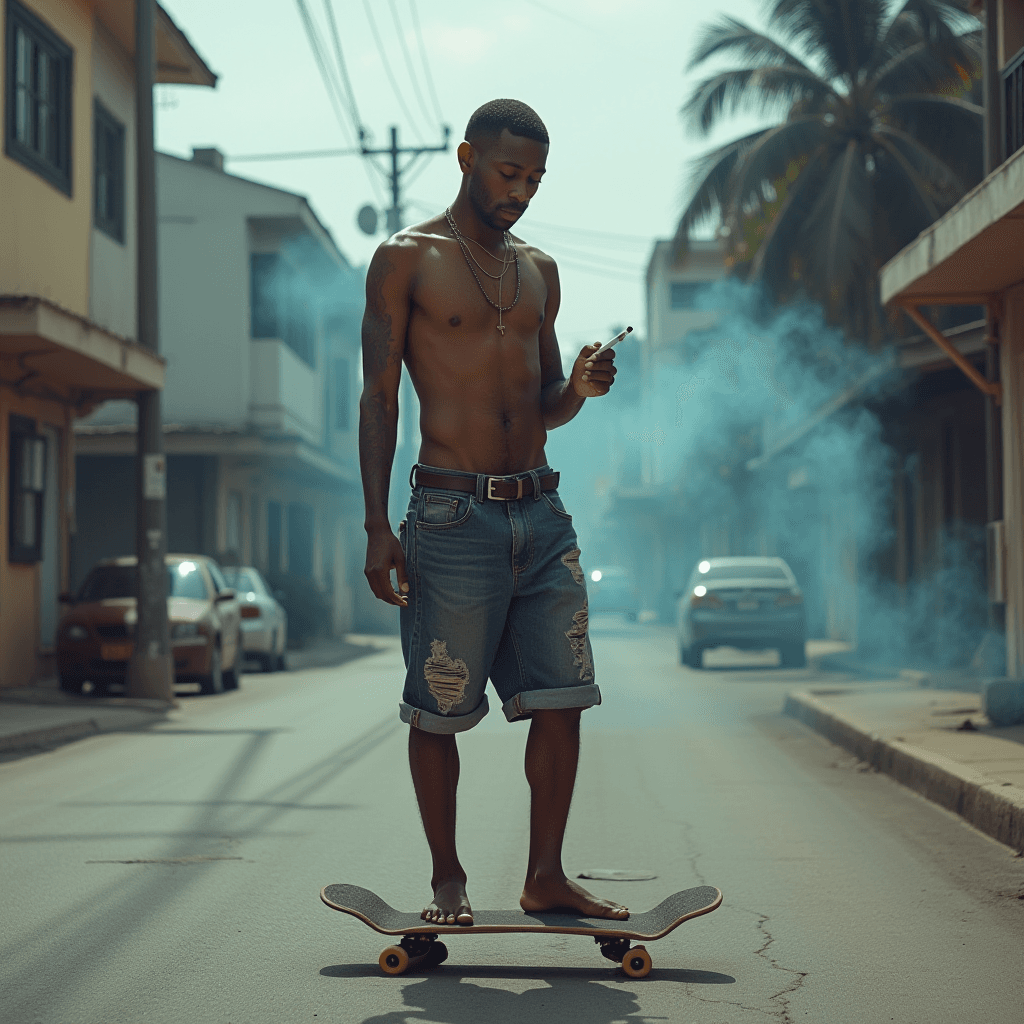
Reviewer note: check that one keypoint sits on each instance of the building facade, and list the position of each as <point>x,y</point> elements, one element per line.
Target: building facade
<point>67,281</point>
<point>259,316</point>
<point>974,255</point>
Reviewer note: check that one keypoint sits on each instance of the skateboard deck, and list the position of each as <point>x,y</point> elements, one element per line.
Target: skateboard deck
<point>420,946</point>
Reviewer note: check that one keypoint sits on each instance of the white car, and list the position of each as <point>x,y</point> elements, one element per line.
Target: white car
<point>264,621</point>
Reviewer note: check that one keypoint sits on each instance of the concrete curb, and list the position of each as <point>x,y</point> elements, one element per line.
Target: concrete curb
<point>954,786</point>
<point>50,736</point>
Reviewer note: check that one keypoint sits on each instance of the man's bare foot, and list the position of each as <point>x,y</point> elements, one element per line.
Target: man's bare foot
<point>450,904</point>
<point>560,893</point>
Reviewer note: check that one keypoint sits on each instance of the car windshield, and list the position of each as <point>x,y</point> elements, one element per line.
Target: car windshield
<point>244,580</point>
<point>107,582</point>
<point>743,572</point>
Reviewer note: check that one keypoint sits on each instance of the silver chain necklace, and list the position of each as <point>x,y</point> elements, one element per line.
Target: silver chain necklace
<point>510,246</point>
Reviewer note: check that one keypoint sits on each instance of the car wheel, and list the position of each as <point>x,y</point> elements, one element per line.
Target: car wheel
<point>71,683</point>
<point>280,662</point>
<point>793,655</point>
<point>214,682</point>
<point>233,676</point>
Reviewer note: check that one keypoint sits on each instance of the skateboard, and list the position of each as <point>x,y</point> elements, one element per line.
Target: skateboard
<point>420,946</point>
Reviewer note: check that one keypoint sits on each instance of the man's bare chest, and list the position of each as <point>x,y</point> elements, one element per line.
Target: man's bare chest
<point>463,297</point>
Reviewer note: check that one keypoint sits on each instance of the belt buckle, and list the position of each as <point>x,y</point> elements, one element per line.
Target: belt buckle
<point>491,480</point>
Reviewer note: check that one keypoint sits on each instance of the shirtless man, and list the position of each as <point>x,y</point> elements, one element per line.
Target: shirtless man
<point>487,563</point>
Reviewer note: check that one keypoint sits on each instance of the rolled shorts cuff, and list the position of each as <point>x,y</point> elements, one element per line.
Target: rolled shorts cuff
<point>525,701</point>
<point>428,721</point>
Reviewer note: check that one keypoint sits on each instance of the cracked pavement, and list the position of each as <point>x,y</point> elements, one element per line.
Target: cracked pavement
<point>173,875</point>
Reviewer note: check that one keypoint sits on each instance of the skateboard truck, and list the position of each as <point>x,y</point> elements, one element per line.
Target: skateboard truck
<point>417,950</point>
<point>635,960</point>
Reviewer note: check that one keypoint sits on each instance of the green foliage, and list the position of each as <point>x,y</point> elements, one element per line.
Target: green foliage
<point>877,140</point>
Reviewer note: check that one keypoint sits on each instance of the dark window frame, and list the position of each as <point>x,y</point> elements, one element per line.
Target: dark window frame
<point>108,142</point>
<point>278,308</point>
<point>27,454</point>
<point>42,39</point>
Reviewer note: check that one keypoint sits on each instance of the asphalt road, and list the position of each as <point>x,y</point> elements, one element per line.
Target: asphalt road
<point>173,876</point>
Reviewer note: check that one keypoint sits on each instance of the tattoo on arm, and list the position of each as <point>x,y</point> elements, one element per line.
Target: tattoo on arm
<point>378,420</point>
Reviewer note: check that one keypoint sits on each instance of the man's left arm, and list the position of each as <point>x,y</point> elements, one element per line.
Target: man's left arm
<point>591,377</point>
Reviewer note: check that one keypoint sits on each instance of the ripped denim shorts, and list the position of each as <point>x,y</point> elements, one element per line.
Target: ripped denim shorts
<point>495,592</point>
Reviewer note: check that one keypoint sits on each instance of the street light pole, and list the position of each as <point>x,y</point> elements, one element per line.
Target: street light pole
<point>150,670</point>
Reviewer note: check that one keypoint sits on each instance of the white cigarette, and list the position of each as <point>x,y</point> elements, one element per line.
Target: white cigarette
<point>614,341</point>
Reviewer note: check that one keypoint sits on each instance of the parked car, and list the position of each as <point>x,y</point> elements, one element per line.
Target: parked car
<point>264,620</point>
<point>750,603</point>
<point>95,637</point>
<point>612,589</point>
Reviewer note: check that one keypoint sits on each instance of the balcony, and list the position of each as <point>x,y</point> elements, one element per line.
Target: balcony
<point>285,394</point>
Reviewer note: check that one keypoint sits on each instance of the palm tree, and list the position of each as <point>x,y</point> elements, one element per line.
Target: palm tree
<point>877,142</point>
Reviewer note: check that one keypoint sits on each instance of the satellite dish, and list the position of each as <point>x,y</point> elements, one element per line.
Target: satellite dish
<point>367,220</point>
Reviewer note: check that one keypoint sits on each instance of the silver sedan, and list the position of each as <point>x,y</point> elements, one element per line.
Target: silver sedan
<point>264,621</point>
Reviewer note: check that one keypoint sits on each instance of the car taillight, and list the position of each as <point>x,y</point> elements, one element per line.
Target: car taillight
<point>786,599</point>
<point>250,611</point>
<point>706,601</point>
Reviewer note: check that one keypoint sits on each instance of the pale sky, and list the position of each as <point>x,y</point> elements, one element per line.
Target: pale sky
<point>606,76</point>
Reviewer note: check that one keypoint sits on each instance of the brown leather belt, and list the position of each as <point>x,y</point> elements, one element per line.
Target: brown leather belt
<point>499,488</point>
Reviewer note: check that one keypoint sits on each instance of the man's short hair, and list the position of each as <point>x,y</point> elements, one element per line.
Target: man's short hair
<point>490,120</point>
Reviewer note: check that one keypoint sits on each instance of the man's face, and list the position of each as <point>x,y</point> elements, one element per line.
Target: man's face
<point>504,176</point>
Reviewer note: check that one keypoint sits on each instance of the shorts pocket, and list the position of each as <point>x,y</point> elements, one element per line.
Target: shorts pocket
<point>554,502</point>
<point>440,511</point>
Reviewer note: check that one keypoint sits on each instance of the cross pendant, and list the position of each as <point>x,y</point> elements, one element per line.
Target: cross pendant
<point>501,327</point>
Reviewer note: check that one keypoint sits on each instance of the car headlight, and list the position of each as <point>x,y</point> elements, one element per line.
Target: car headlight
<point>181,630</point>
<point>76,633</point>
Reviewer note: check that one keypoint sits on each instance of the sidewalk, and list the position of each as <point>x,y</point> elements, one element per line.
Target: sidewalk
<point>42,716</point>
<point>937,742</point>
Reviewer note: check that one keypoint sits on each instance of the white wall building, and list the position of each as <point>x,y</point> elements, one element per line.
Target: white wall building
<point>259,316</point>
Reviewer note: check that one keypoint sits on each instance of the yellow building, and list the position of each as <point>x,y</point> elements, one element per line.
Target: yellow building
<point>67,280</point>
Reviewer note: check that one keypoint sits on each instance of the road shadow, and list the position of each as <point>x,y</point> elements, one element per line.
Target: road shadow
<point>589,996</point>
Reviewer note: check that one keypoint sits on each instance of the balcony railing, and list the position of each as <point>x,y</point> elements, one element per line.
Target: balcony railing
<point>1013,105</point>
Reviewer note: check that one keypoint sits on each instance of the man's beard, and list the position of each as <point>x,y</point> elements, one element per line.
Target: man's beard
<point>478,198</point>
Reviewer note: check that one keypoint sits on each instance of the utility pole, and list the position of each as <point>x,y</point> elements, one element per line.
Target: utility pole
<point>150,670</point>
<point>394,176</point>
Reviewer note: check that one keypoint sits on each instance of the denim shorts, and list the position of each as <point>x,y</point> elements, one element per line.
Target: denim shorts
<point>495,592</point>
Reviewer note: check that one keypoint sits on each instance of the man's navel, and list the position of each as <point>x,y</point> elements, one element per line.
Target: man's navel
<point>455,320</point>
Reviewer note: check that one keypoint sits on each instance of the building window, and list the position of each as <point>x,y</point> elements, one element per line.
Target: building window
<point>342,391</point>
<point>108,182</point>
<point>280,306</point>
<point>37,94</point>
<point>27,459</point>
<point>683,294</point>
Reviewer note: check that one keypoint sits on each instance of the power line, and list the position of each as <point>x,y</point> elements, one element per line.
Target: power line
<point>410,67</point>
<point>330,85</point>
<point>426,63</point>
<point>296,155</point>
<point>334,91</point>
<point>387,70</point>
<point>342,67</point>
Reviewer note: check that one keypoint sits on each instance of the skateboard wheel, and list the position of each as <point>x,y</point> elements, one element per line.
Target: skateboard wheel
<point>394,960</point>
<point>637,962</point>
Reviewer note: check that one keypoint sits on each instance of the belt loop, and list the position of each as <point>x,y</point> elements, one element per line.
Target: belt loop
<point>535,477</point>
<point>481,487</point>
<point>412,474</point>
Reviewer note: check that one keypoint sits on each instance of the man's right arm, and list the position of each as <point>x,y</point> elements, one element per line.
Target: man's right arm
<point>385,322</point>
